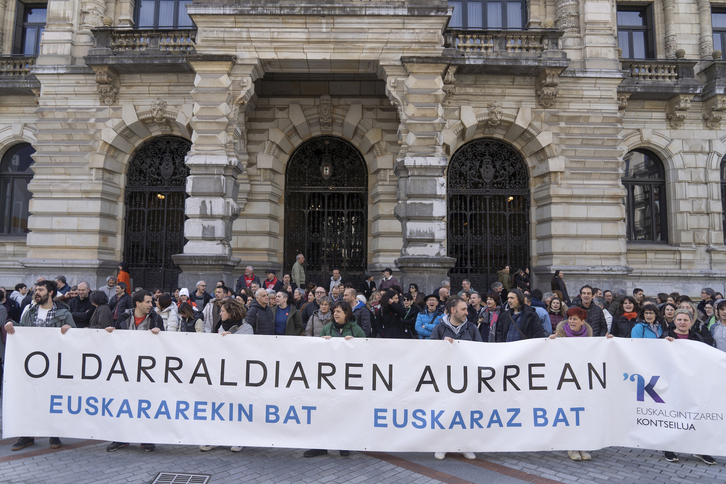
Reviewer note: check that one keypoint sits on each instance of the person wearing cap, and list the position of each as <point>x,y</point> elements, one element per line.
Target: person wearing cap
<point>184,297</point>
<point>388,281</point>
<point>271,282</point>
<point>429,317</point>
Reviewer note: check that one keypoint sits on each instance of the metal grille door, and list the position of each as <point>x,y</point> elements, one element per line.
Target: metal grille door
<point>155,194</point>
<point>488,212</point>
<point>326,210</point>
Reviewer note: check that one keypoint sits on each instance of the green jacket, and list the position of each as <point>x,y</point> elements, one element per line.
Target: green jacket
<point>298,275</point>
<point>350,329</point>
<point>294,321</point>
<point>505,279</point>
<point>62,316</point>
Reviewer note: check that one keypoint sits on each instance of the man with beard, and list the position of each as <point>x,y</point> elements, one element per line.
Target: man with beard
<point>212,318</point>
<point>45,313</point>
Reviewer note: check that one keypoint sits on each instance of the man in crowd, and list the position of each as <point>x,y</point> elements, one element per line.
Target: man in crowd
<point>639,296</point>
<point>335,293</point>
<point>21,290</point>
<point>271,282</point>
<point>309,309</point>
<point>63,287</point>
<point>254,287</point>
<point>260,316</point>
<point>595,316</point>
<point>212,318</point>
<point>336,280</point>
<point>141,318</point>
<point>109,289</point>
<point>465,287</point>
<point>388,280</point>
<point>247,279</point>
<point>497,287</point>
<point>443,295</point>
<point>200,296</point>
<point>81,307</point>
<point>298,271</point>
<point>45,313</point>
<point>707,295</point>
<point>360,311</point>
<point>544,317</point>
<point>287,281</point>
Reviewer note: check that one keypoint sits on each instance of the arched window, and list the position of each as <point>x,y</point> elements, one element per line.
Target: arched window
<point>15,174</point>
<point>644,180</point>
<point>723,196</point>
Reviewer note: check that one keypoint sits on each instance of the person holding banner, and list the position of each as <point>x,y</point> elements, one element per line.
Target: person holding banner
<point>649,325</point>
<point>625,318</point>
<point>141,318</point>
<point>575,326</point>
<point>455,326</point>
<point>46,313</point>
<point>683,329</point>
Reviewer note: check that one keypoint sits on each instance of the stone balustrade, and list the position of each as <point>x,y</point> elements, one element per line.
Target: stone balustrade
<point>654,71</point>
<point>657,79</point>
<point>15,66</point>
<point>173,41</point>
<point>518,42</point>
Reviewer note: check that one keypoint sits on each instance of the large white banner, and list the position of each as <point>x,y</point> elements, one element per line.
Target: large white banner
<point>381,395</point>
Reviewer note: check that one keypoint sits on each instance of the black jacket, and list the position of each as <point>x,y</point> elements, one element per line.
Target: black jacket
<point>261,319</point>
<point>389,322</point>
<point>363,317</point>
<point>277,287</point>
<point>308,311</point>
<point>13,308</point>
<point>622,326</point>
<point>468,332</point>
<point>595,318</point>
<point>692,335</point>
<point>81,310</point>
<point>126,320</point>
<point>124,304</point>
<point>366,288</point>
<point>409,319</point>
<point>530,324</point>
<point>241,284</point>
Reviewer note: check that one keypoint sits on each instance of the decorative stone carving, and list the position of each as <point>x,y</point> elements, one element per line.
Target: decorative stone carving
<point>108,84</point>
<point>567,16</point>
<point>449,81</point>
<point>546,87</point>
<point>391,86</point>
<point>677,110</point>
<point>706,29</point>
<point>715,111</point>
<point>671,40</point>
<point>92,12</point>
<point>325,113</point>
<point>158,114</point>
<point>623,101</point>
<point>495,114</point>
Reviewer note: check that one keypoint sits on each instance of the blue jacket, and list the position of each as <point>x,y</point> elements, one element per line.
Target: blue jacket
<point>642,330</point>
<point>426,322</point>
<point>544,318</point>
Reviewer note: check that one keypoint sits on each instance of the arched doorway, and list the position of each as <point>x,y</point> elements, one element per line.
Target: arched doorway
<point>488,212</point>
<point>155,194</point>
<point>326,209</point>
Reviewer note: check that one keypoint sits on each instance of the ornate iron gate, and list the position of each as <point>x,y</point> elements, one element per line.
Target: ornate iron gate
<point>488,212</point>
<point>155,194</point>
<point>326,209</point>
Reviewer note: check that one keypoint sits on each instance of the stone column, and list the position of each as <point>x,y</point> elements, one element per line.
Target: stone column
<point>418,94</point>
<point>3,4</point>
<point>568,20</point>
<point>126,13</point>
<point>56,46</point>
<point>212,185</point>
<point>671,44</point>
<point>706,35</point>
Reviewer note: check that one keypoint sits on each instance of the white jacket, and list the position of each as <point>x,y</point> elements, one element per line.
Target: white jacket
<point>170,316</point>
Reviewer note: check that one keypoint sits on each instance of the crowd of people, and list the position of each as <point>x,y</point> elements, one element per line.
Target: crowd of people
<point>509,310</point>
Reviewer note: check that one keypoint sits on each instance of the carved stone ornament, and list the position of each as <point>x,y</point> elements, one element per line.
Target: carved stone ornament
<point>495,114</point>
<point>325,112</point>
<point>449,81</point>
<point>567,15</point>
<point>546,87</point>
<point>623,101</point>
<point>92,12</point>
<point>158,114</point>
<point>677,110</point>
<point>108,84</point>
<point>395,98</point>
<point>715,111</point>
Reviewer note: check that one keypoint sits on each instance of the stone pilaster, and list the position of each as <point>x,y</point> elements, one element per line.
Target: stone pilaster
<point>421,166</point>
<point>568,19</point>
<point>706,29</point>
<point>56,46</point>
<point>3,5</point>
<point>214,165</point>
<point>671,40</point>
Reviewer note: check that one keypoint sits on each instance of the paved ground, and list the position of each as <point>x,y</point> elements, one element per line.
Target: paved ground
<point>88,462</point>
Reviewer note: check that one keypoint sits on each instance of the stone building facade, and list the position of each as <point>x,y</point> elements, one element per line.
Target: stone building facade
<point>192,139</point>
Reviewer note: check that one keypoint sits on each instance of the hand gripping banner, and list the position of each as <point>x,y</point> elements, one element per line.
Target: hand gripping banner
<point>365,394</point>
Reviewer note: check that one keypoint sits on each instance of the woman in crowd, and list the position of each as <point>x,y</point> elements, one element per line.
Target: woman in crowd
<point>168,312</point>
<point>389,320</point>
<point>683,329</point>
<point>375,301</point>
<point>409,319</point>
<point>299,298</point>
<point>288,320</point>
<point>102,317</point>
<point>669,313</point>
<point>649,324</point>
<point>419,301</point>
<point>187,320</point>
<point>626,317</point>
<point>709,312</point>
<point>557,311</point>
<point>309,299</point>
<point>320,318</point>
<point>232,315</point>
<point>558,284</point>
<point>413,290</point>
<point>124,276</point>
<point>184,298</point>
<point>718,330</point>
<point>493,311</point>
<point>699,326</point>
<point>574,327</point>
